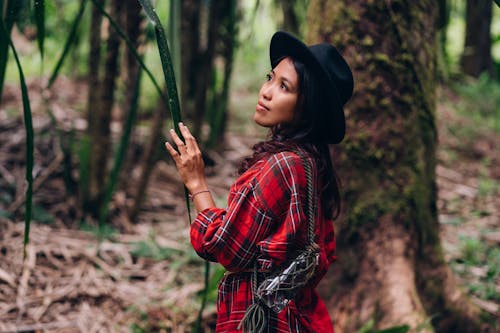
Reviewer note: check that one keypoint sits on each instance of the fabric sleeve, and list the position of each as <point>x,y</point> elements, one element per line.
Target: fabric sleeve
<point>264,219</point>
<point>229,236</point>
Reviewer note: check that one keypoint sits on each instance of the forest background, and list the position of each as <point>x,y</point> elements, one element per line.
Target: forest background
<point>108,247</point>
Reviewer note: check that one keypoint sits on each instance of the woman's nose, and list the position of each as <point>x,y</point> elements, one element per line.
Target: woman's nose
<point>266,91</point>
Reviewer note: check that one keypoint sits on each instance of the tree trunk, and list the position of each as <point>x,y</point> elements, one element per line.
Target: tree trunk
<point>204,29</point>
<point>205,66</point>
<point>391,267</point>
<point>134,27</point>
<point>477,49</point>
<point>148,160</point>
<point>190,26</point>
<point>219,96</point>
<point>290,19</point>
<point>90,187</point>
<point>100,140</point>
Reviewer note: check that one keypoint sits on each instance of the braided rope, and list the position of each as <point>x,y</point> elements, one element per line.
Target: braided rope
<point>310,201</point>
<point>276,291</point>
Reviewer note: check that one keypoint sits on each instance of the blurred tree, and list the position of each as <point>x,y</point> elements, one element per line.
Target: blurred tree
<point>90,188</point>
<point>290,19</point>
<point>135,28</point>
<point>442,25</point>
<point>477,57</point>
<point>391,267</point>
<point>99,113</point>
<point>222,71</point>
<point>208,30</point>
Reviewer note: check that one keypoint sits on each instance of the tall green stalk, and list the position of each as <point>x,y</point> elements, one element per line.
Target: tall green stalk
<point>173,99</point>
<point>166,62</point>
<point>28,124</point>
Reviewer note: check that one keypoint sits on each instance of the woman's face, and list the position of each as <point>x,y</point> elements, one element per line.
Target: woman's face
<point>278,96</point>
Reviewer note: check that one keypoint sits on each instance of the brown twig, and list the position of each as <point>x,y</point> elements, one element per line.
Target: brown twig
<point>38,182</point>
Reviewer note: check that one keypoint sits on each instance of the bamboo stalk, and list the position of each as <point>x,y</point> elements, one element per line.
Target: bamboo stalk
<point>28,124</point>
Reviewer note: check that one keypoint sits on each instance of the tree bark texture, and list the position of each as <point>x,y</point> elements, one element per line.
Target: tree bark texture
<point>100,140</point>
<point>190,27</point>
<point>477,49</point>
<point>93,99</point>
<point>390,266</point>
<point>134,27</point>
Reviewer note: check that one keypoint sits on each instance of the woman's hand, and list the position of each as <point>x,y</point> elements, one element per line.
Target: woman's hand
<point>188,160</point>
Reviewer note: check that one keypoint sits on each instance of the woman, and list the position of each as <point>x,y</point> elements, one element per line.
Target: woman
<point>264,223</point>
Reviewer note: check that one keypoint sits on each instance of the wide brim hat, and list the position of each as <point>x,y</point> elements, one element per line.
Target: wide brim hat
<point>333,72</point>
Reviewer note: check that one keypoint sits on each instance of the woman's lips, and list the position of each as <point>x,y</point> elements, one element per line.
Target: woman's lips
<point>261,107</point>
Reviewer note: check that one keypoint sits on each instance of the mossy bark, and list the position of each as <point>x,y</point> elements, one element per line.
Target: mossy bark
<point>391,267</point>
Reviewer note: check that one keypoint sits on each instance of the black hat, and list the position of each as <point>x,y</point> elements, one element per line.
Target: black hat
<point>331,68</point>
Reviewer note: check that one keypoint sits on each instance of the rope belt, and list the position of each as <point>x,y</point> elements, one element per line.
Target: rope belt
<point>248,270</point>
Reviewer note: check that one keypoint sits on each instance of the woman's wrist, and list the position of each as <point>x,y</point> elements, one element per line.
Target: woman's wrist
<point>202,199</point>
<point>194,194</point>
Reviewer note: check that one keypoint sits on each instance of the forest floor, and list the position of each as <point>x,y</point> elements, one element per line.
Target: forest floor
<point>145,277</point>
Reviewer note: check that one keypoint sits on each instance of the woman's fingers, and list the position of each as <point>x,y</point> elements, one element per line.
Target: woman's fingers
<point>178,142</point>
<point>175,155</point>
<point>191,144</point>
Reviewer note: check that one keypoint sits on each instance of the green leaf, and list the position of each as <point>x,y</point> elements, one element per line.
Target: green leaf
<point>396,329</point>
<point>28,124</point>
<point>40,23</point>
<point>167,65</point>
<point>13,8</point>
<point>168,73</point>
<point>173,103</point>
<point>69,42</point>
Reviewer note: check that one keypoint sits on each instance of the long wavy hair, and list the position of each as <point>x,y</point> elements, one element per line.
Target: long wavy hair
<point>302,132</point>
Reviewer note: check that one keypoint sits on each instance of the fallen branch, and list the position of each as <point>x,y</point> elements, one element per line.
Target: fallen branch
<point>37,183</point>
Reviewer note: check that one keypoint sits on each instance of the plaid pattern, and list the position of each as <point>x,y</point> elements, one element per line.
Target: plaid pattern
<point>265,221</point>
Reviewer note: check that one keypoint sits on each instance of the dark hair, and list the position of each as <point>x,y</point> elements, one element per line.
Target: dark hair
<point>302,132</point>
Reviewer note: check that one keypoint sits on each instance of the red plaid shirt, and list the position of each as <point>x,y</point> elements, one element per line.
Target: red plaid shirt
<point>265,221</point>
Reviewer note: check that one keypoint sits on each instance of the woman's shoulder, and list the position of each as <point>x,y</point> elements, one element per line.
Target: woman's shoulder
<point>284,164</point>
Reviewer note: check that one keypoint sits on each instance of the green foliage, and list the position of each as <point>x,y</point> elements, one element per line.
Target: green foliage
<point>150,249</point>
<point>7,22</point>
<point>5,214</point>
<point>213,284</point>
<point>478,256</point>
<point>488,187</point>
<point>167,64</point>
<point>101,232</point>
<point>41,215</point>
<point>472,251</point>
<point>368,327</point>
<point>28,124</point>
<point>72,36</point>
<point>480,101</point>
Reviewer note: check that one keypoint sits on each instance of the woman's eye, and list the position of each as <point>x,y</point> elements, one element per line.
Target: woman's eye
<point>268,77</point>
<point>283,86</point>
